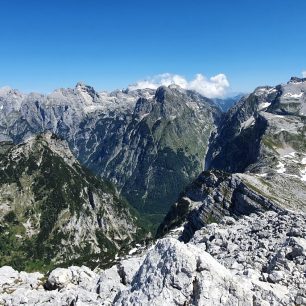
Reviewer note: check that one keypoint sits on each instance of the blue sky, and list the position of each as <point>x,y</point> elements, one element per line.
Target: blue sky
<point>111,44</point>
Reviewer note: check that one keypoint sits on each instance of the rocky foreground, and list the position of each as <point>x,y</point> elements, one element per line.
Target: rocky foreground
<point>257,260</point>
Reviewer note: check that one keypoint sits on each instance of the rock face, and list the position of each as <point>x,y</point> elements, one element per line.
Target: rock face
<point>261,129</point>
<point>149,143</point>
<point>256,260</point>
<point>53,211</point>
<point>256,161</point>
<point>212,196</point>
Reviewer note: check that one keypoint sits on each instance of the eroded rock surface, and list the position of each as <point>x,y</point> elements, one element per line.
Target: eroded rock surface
<point>256,260</point>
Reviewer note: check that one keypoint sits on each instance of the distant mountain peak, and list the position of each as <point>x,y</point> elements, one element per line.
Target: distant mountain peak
<point>5,89</point>
<point>174,86</point>
<point>8,90</point>
<point>87,91</point>
<point>296,80</point>
<point>84,87</point>
<point>160,93</point>
<point>81,84</point>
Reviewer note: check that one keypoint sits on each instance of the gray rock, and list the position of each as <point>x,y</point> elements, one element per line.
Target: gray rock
<point>81,277</point>
<point>276,276</point>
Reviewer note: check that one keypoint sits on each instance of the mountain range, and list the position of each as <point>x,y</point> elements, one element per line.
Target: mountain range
<point>149,143</point>
<point>232,186</point>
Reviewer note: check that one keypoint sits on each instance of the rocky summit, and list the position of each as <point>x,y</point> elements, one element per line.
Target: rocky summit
<point>235,235</point>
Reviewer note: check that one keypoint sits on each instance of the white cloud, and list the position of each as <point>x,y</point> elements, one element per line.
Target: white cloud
<point>304,74</point>
<point>213,87</point>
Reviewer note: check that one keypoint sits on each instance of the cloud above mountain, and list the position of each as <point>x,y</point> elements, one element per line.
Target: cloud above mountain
<point>304,74</point>
<point>212,87</point>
